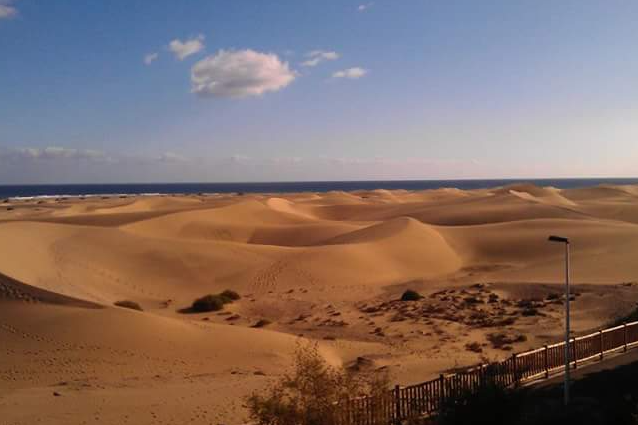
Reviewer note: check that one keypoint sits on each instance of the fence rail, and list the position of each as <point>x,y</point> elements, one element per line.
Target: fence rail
<point>403,403</point>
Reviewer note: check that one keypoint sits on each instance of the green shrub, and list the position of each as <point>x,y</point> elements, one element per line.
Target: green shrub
<point>128,304</point>
<point>212,302</point>
<point>411,295</point>
<point>208,303</point>
<point>261,323</point>
<point>230,295</point>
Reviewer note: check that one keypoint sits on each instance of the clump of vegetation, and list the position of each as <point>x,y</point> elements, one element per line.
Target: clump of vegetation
<point>472,300</point>
<point>630,317</point>
<point>208,303</point>
<point>230,294</point>
<point>530,312</point>
<point>128,304</point>
<point>525,303</point>
<point>502,340</point>
<point>312,393</point>
<point>553,296</point>
<point>411,295</point>
<point>213,302</point>
<point>261,323</point>
<point>474,347</point>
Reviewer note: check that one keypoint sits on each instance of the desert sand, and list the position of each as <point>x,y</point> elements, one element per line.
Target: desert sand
<point>326,267</point>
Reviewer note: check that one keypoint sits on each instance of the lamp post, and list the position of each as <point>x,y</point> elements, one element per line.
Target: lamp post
<point>565,241</point>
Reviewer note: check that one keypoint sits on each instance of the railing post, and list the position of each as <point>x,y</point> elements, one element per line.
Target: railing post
<point>624,326</point>
<point>546,362</point>
<point>601,344</point>
<point>442,387</point>
<point>397,402</point>
<point>515,367</point>
<point>574,356</point>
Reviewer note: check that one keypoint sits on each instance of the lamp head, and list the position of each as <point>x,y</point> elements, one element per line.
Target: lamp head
<point>558,239</point>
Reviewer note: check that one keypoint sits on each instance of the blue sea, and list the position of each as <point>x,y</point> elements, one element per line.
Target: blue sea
<point>7,191</point>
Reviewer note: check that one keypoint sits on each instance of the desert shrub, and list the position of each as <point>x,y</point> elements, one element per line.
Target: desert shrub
<point>525,303</point>
<point>311,394</point>
<point>208,303</point>
<point>530,312</point>
<point>230,295</point>
<point>411,295</point>
<point>502,339</point>
<point>472,300</point>
<point>474,347</point>
<point>212,302</point>
<point>128,304</point>
<point>261,323</point>
<point>630,317</point>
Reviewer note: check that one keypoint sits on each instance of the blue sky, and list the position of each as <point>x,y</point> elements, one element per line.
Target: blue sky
<point>400,89</point>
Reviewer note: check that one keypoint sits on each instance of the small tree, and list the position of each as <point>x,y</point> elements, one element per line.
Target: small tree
<point>314,393</point>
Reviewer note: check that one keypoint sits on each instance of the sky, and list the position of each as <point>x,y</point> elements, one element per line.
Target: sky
<point>293,90</point>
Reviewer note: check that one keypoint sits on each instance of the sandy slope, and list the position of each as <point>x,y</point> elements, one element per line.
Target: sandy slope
<point>328,266</point>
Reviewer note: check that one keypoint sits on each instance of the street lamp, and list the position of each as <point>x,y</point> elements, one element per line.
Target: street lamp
<point>565,241</point>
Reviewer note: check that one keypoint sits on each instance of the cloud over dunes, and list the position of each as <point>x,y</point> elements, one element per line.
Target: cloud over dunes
<point>51,153</point>
<point>237,74</point>
<point>364,7</point>
<point>317,56</point>
<point>6,10</point>
<point>150,58</point>
<point>183,49</point>
<point>350,73</point>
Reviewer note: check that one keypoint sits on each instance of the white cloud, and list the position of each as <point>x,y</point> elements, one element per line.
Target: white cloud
<point>183,49</point>
<point>51,153</point>
<point>317,56</point>
<point>365,6</point>
<point>351,73</point>
<point>150,58</point>
<point>6,10</point>
<point>242,73</point>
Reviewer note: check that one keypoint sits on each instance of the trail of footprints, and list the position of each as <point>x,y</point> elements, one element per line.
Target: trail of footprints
<point>266,279</point>
<point>66,361</point>
<point>65,262</point>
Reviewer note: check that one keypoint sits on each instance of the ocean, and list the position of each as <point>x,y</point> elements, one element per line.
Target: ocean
<point>10,191</point>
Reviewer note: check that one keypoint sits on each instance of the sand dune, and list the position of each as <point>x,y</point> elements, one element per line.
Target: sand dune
<point>328,266</point>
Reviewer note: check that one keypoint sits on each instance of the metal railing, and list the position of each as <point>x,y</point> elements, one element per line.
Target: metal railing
<point>423,399</point>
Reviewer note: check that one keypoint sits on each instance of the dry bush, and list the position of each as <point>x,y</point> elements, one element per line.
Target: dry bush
<point>208,303</point>
<point>212,302</point>
<point>314,393</point>
<point>261,323</point>
<point>411,295</point>
<point>474,347</point>
<point>503,340</point>
<point>230,295</point>
<point>128,304</point>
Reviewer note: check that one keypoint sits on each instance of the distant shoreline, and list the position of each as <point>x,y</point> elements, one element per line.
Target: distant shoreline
<point>158,189</point>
